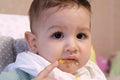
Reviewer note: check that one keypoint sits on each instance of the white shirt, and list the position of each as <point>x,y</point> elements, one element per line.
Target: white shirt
<point>33,64</point>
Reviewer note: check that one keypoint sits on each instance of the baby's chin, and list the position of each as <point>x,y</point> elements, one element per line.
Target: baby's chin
<point>70,68</point>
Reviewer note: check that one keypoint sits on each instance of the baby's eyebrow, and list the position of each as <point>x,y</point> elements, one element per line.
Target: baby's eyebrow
<point>56,26</point>
<point>86,29</point>
<point>51,27</point>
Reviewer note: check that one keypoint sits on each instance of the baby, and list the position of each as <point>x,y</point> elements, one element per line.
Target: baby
<point>59,42</point>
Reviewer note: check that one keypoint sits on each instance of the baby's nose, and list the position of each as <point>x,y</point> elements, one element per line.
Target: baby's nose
<point>71,46</point>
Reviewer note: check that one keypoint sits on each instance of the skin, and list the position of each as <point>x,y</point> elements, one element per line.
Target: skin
<point>63,34</point>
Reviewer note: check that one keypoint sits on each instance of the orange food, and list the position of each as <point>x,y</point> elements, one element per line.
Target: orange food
<point>62,61</point>
<point>77,76</point>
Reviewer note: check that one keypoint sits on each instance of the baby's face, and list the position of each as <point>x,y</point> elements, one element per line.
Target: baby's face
<point>64,35</point>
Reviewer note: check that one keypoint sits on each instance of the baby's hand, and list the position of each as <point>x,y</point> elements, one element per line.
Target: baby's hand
<point>43,75</point>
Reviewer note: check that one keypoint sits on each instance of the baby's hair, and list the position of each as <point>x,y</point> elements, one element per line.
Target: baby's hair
<point>38,6</point>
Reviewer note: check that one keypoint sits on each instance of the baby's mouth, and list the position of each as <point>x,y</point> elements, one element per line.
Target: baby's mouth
<point>68,61</point>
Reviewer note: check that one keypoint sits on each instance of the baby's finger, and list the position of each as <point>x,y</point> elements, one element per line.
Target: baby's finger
<point>47,70</point>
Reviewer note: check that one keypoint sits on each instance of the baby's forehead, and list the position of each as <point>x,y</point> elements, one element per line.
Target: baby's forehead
<point>53,12</point>
<point>56,10</point>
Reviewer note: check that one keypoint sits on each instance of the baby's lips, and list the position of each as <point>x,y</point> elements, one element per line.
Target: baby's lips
<point>68,60</point>
<point>63,61</point>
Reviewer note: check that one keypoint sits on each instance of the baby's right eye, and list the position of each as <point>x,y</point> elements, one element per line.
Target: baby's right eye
<point>58,35</point>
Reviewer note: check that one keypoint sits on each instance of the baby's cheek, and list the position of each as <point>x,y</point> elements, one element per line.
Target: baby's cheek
<point>54,57</point>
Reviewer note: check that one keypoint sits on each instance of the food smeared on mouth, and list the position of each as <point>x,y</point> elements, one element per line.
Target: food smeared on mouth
<point>62,61</point>
<point>69,61</point>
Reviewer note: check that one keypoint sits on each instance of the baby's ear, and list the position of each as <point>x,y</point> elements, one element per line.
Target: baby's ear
<point>31,41</point>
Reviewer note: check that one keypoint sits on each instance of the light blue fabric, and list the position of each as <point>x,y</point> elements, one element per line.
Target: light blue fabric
<point>15,75</point>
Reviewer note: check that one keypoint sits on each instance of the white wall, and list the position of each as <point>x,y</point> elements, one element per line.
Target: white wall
<point>105,26</point>
<point>15,6</point>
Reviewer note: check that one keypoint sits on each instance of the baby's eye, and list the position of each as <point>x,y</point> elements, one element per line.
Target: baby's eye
<point>58,35</point>
<point>81,36</point>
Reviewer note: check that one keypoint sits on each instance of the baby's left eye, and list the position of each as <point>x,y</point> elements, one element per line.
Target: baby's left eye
<point>81,36</point>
